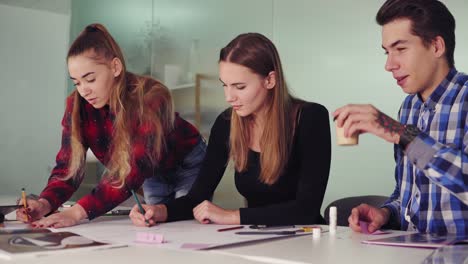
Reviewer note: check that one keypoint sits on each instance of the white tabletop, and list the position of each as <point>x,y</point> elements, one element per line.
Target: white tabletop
<point>343,247</point>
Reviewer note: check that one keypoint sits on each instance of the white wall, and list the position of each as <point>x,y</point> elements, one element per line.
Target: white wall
<point>33,47</point>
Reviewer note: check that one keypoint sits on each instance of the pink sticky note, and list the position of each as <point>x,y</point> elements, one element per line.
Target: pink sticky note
<point>364,229</point>
<point>149,238</point>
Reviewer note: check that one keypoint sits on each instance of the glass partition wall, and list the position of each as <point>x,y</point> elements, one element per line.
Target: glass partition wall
<point>177,40</point>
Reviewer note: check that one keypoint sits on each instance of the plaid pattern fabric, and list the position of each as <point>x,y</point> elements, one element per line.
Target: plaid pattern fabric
<point>97,128</point>
<point>431,193</point>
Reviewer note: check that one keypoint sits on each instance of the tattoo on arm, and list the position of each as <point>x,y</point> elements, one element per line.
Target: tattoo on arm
<point>389,124</point>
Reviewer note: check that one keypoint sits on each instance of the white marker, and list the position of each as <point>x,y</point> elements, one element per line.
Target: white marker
<point>332,220</point>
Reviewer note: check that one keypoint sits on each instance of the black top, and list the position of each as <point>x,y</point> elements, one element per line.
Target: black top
<point>296,197</point>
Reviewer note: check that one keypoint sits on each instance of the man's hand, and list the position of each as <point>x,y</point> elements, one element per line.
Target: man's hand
<point>376,217</point>
<point>368,119</point>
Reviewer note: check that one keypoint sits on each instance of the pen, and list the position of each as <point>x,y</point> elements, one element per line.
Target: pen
<point>284,232</point>
<point>25,204</point>
<point>142,211</point>
<point>271,227</point>
<point>266,233</point>
<point>230,228</point>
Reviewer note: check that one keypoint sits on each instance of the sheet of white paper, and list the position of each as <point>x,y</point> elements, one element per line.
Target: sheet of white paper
<point>182,234</point>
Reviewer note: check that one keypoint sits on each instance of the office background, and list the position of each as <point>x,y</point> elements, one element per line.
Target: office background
<point>331,53</point>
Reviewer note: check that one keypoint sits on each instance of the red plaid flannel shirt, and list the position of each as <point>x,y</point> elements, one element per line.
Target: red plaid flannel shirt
<point>97,127</point>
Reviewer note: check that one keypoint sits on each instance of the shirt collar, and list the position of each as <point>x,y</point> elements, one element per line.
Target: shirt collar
<point>442,88</point>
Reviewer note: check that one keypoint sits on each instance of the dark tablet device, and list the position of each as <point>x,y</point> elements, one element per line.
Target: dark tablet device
<point>417,240</point>
<point>6,209</point>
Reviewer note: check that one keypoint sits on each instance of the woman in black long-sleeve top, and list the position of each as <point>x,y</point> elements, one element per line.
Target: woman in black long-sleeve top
<point>280,146</point>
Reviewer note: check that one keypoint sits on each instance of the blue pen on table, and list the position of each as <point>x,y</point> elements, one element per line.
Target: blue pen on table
<point>142,211</point>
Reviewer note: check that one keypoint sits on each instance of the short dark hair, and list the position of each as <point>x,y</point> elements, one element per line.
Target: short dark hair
<point>430,18</point>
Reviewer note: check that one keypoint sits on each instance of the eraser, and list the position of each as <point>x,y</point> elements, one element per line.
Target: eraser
<point>149,238</point>
<point>364,227</point>
<point>316,232</point>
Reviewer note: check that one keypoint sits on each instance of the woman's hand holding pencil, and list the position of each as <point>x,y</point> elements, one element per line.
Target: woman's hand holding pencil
<point>153,214</point>
<point>32,209</point>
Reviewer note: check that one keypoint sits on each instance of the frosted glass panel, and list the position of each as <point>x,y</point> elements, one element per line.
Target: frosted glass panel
<point>129,22</point>
<point>190,35</point>
<point>212,23</point>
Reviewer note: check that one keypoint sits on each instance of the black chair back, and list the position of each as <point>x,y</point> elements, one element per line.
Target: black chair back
<point>345,205</point>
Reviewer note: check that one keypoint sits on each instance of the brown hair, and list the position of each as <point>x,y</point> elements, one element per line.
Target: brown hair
<point>259,54</point>
<point>429,19</point>
<point>130,100</point>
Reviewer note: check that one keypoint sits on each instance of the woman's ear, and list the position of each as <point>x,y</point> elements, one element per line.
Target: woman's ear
<point>270,80</point>
<point>116,66</point>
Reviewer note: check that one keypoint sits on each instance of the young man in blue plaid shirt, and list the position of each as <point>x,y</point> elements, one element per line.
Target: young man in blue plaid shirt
<point>431,139</point>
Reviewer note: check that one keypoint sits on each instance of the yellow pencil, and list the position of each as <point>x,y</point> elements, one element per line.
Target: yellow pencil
<point>25,204</point>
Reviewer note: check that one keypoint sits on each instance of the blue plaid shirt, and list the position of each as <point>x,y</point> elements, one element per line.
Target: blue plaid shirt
<point>431,192</point>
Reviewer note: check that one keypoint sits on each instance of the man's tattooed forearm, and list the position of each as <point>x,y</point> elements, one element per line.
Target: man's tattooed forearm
<point>389,124</point>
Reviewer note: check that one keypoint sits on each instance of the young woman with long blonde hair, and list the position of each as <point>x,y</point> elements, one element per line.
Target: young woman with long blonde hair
<point>128,121</point>
<point>280,146</point>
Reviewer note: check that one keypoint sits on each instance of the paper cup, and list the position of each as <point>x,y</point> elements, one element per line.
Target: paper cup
<point>345,141</point>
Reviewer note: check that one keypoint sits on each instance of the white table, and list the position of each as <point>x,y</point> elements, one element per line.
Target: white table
<point>344,247</point>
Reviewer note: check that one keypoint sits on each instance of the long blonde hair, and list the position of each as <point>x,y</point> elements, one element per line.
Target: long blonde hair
<point>259,54</point>
<point>129,100</point>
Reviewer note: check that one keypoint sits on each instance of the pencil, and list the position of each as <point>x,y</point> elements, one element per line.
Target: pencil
<point>230,228</point>
<point>142,211</point>
<point>25,204</point>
